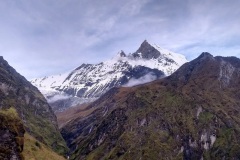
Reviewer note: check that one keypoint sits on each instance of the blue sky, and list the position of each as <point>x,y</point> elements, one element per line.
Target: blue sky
<point>44,37</point>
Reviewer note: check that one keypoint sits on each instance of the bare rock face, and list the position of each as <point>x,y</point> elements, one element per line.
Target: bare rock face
<point>122,54</point>
<point>147,51</point>
<point>9,147</point>
<point>11,135</point>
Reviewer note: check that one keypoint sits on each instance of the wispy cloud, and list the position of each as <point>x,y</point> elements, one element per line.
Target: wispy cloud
<point>144,79</point>
<point>58,97</point>
<point>44,36</point>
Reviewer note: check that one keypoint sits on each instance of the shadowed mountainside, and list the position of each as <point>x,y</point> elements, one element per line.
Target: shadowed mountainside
<point>71,113</point>
<point>192,114</point>
<point>35,113</point>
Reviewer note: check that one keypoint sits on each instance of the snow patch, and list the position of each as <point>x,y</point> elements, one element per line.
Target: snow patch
<point>178,58</point>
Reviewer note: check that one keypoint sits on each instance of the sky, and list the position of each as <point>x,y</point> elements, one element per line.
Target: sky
<point>45,37</point>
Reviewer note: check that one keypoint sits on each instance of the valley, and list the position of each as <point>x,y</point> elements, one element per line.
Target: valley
<point>192,113</point>
<point>119,80</point>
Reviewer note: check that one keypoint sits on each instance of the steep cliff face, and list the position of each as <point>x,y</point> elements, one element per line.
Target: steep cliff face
<point>32,108</point>
<point>192,114</point>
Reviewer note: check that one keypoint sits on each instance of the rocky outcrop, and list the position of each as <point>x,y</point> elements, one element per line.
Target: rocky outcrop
<point>11,135</point>
<point>147,51</point>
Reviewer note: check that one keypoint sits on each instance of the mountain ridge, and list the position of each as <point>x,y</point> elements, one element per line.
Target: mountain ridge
<point>31,107</point>
<point>91,81</point>
<point>191,114</point>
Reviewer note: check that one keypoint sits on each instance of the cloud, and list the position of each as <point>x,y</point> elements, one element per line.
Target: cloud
<point>133,7</point>
<point>58,97</point>
<point>144,79</point>
<point>45,37</point>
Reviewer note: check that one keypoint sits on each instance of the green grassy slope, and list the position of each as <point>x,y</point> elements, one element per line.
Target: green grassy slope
<point>193,114</point>
<point>37,116</point>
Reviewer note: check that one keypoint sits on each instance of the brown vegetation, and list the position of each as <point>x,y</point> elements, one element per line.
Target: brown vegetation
<point>191,114</point>
<point>72,113</point>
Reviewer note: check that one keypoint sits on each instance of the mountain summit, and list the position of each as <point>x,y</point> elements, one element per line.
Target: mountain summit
<point>90,81</point>
<point>147,51</point>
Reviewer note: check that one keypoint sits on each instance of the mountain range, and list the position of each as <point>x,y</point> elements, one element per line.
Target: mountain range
<point>89,81</point>
<point>192,114</point>
<point>145,107</point>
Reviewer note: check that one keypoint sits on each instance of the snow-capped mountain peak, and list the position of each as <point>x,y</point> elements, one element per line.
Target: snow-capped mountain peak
<point>92,80</point>
<point>178,58</point>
